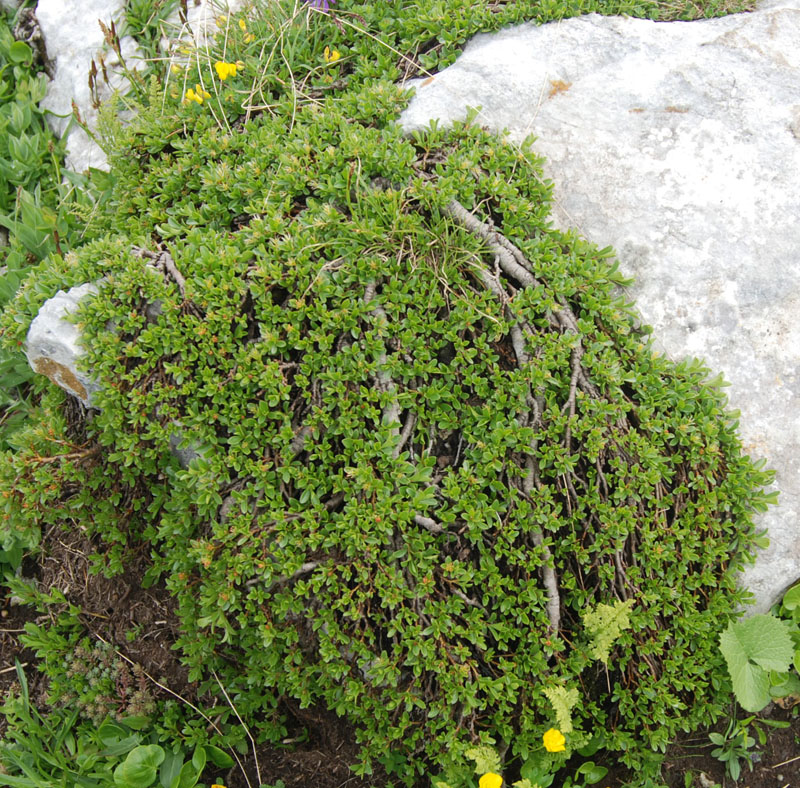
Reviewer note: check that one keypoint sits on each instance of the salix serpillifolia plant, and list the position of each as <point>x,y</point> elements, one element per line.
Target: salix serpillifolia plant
<point>445,486</point>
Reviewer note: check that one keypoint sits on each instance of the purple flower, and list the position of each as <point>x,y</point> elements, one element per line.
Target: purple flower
<point>322,5</point>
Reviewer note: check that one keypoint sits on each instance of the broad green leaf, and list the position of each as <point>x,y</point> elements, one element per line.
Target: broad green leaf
<point>764,640</point>
<point>170,770</point>
<point>219,757</point>
<point>751,647</point>
<point>121,746</point>
<point>751,685</point>
<point>137,723</point>
<point>139,769</point>
<point>189,776</point>
<point>592,772</point>
<point>791,599</point>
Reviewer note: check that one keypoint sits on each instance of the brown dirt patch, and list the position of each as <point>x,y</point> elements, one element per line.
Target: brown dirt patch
<point>139,622</point>
<point>689,763</point>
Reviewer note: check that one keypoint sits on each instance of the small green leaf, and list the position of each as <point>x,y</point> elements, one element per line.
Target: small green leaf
<point>783,684</point>
<point>592,772</point>
<point>20,52</point>
<point>199,759</point>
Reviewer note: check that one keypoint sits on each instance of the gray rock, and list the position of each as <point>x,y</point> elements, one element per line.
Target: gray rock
<point>73,38</point>
<point>678,144</point>
<point>53,343</point>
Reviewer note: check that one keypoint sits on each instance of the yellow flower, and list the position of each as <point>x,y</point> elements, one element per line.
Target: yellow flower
<point>176,68</point>
<point>248,37</point>
<point>225,70</point>
<point>222,21</point>
<point>554,741</point>
<point>489,780</point>
<point>331,56</point>
<point>198,94</point>
<point>216,785</point>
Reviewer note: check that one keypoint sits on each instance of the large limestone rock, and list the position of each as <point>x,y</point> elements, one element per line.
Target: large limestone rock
<point>679,144</point>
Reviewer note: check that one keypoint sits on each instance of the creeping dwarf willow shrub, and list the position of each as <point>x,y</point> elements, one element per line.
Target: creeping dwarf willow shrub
<point>442,478</point>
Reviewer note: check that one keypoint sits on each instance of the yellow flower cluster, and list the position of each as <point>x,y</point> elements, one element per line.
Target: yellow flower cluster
<point>198,94</point>
<point>225,70</point>
<point>331,56</point>
<point>248,37</point>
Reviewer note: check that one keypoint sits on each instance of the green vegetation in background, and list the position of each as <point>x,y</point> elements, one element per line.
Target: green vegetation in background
<point>148,21</point>
<point>280,195</point>
<point>43,207</point>
<point>30,159</point>
<point>58,751</point>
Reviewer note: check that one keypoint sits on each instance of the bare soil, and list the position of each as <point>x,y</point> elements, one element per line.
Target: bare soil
<point>320,747</point>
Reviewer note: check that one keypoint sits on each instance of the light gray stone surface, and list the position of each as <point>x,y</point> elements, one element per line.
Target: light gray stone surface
<point>678,144</point>
<point>53,343</point>
<point>73,38</point>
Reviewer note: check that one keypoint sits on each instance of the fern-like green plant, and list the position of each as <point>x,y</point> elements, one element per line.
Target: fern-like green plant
<point>563,701</point>
<point>605,624</point>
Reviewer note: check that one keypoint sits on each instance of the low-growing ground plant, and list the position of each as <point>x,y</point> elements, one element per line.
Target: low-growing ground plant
<point>443,484</point>
<point>57,751</point>
<point>762,653</point>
